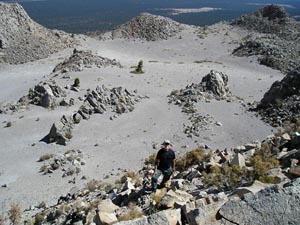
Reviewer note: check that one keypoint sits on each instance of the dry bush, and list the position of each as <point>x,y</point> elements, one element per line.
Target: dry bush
<point>136,178</point>
<point>227,177</point>
<point>134,213</point>
<point>45,157</point>
<point>150,160</point>
<point>15,213</point>
<point>93,185</point>
<point>70,171</point>
<point>3,220</point>
<point>39,218</point>
<point>262,161</point>
<point>194,157</point>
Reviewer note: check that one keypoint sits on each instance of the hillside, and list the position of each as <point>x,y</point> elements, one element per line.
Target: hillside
<point>23,40</point>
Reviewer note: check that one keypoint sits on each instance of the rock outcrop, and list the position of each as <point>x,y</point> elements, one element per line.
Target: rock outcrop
<point>275,205</point>
<point>148,27</point>
<point>23,40</point>
<point>272,19</point>
<point>98,101</point>
<point>80,59</point>
<point>282,102</point>
<point>206,189</point>
<point>212,86</point>
<point>277,43</point>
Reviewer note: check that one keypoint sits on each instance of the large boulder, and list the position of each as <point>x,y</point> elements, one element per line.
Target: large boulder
<point>274,205</point>
<point>61,131</point>
<point>216,82</point>
<point>166,217</point>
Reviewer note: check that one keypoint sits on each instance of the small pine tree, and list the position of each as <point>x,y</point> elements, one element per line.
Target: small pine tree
<point>76,82</point>
<point>139,68</point>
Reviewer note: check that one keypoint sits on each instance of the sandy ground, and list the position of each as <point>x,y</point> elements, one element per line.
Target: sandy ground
<point>123,143</point>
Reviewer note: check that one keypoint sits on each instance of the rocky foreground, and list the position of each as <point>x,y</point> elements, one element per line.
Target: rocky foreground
<point>251,184</point>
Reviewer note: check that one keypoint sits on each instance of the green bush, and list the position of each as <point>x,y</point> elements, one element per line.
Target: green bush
<point>76,82</point>
<point>138,68</point>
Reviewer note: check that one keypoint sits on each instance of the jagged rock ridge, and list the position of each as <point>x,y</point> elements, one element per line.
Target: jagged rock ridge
<point>23,40</point>
<point>148,27</point>
<point>278,43</point>
<point>271,19</point>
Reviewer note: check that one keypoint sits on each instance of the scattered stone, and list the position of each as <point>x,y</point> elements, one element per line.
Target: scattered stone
<point>148,27</point>
<point>80,59</point>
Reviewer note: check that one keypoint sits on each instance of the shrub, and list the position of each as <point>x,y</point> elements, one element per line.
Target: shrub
<point>15,213</point>
<point>39,218</point>
<point>262,161</point>
<point>127,174</point>
<point>132,214</point>
<point>138,68</point>
<point>76,82</point>
<point>8,124</point>
<point>194,157</point>
<point>150,160</point>
<point>227,177</point>
<point>68,134</point>
<point>93,184</point>
<point>45,157</point>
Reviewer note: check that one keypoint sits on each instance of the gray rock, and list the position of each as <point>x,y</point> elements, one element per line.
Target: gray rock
<point>23,40</point>
<point>274,205</point>
<point>166,217</point>
<point>238,160</point>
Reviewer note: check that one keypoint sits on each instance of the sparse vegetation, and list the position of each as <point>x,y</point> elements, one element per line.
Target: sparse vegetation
<point>39,218</point>
<point>8,124</point>
<point>68,134</point>
<point>194,157</point>
<point>151,159</point>
<point>138,68</point>
<point>264,160</point>
<point>93,185</point>
<point>15,213</point>
<point>227,177</point>
<point>134,213</point>
<point>76,82</point>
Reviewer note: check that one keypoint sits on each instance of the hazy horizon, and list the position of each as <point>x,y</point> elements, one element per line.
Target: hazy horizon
<point>78,16</point>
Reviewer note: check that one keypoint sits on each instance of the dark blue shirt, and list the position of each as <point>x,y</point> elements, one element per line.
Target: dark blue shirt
<point>165,159</point>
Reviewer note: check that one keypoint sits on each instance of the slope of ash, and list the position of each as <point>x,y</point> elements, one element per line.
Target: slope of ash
<point>23,40</point>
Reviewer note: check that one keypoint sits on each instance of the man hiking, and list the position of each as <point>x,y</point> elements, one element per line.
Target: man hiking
<point>164,164</point>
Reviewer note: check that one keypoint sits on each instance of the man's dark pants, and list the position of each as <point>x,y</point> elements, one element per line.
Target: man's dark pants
<point>166,173</point>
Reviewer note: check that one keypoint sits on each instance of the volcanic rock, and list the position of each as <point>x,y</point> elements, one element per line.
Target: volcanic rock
<point>148,27</point>
<point>261,208</point>
<point>23,40</point>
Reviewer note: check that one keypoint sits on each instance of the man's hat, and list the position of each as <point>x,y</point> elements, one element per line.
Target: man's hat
<point>166,142</point>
